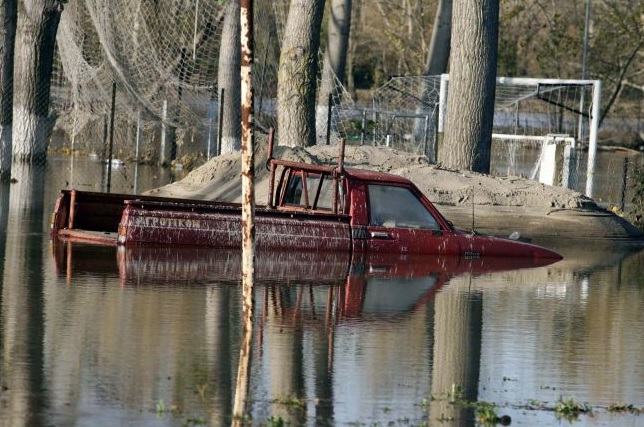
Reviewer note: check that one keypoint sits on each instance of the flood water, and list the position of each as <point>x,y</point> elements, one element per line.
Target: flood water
<point>95,336</point>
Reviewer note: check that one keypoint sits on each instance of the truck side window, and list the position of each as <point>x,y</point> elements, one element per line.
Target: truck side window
<point>295,192</point>
<point>326,190</point>
<point>391,206</point>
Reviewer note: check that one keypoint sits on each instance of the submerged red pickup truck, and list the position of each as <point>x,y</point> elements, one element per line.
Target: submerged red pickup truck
<point>311,207</point>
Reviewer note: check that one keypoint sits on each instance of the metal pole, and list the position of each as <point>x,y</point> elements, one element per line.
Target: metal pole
<point>584,60</point>
<point>248,209</point>
<point>624,180</point>
<point>211,117</point>
<point>220,120</point>
<point>442,112</point>
<point>592,137</point>
<point>362,128</point>
<point>138,149</point>
<point>328,120</point>
<point>194,37</point>
<point>164,132</point>
<point>109,158</point>
<point>584,52</point>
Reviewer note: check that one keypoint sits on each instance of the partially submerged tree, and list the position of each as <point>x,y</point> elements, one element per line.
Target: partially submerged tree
<point>297,78</point>
<point>37,25</point>
<point>470,104</point>
<point>8,16</point>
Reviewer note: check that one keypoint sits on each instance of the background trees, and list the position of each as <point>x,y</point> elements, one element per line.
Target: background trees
<point>167,52</point>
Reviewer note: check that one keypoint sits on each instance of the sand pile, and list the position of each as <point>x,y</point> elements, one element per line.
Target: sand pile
<point>219,179</point>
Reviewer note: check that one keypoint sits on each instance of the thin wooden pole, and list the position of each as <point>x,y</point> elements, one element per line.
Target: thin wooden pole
<point>328,119</point>
<point>248,210</point>
<point>109,157</point>
<point>220,119</point>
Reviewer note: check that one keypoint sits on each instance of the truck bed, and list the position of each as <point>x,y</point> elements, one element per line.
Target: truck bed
<point>110,219</point>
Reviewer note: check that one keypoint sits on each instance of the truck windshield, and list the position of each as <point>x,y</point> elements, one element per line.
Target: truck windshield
<point>391,206</point>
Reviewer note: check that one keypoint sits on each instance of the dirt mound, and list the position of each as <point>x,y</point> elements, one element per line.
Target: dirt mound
<point>219,179</point>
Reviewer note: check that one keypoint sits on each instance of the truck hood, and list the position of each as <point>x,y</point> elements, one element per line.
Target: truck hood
<point>475,245</point>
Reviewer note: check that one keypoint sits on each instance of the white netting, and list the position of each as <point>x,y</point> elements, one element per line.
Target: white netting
<point>405,113</point>
<point>162,57</point>
<point>527,113</point>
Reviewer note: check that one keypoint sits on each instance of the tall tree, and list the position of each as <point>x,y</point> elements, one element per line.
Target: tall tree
<point>228,79</point>
<point>335,60</point>
<point>8,16</point>
<point>439,45</point>
<point>297,75</point>
<point>35,40</point>
<point>436,63</point>
<point>470,104</point>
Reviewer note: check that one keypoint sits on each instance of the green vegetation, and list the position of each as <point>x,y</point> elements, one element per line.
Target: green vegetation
<point>623,407</point>
<point>485,412</point>
<point>290,401</point>
<point>276,421</point>
<point>570,409</point>
<point>636,213</point>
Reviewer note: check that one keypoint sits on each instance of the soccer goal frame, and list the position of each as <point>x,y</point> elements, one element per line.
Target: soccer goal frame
<point>536,88</point>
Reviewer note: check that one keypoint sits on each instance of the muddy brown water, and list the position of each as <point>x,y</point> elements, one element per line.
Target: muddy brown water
<point>100,336</point>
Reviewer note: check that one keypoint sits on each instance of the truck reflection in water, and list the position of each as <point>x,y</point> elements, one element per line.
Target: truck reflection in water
<point>357,287</point>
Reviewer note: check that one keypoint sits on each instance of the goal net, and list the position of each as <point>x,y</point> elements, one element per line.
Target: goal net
<point>530,115</point>
<point>548,126</point>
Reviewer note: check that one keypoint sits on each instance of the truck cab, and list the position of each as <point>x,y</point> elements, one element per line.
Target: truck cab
<point>387,212</point>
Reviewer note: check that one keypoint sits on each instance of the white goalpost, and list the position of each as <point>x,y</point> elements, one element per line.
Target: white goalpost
<point>558,117</point>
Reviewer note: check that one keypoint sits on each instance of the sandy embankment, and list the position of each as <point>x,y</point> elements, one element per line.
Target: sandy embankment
<point>494,205</point>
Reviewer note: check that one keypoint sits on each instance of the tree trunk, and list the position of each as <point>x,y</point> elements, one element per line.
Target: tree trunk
<point>335,60</point>
<point>228,79</point>
<point>470,104</point>
<point>439,45</point>
<point>36,36</point>
<point>356,13</point>
<point>8,16</point>
<point>297,75</point>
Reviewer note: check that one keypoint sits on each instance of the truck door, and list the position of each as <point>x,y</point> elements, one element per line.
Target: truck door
<point>399,222</point>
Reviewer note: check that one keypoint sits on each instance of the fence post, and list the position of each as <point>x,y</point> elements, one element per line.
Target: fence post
<point>622,204</point>
<point>220,126</point>
<point>362,128</point>
<point>109,158</point>
<point>328,120</point>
